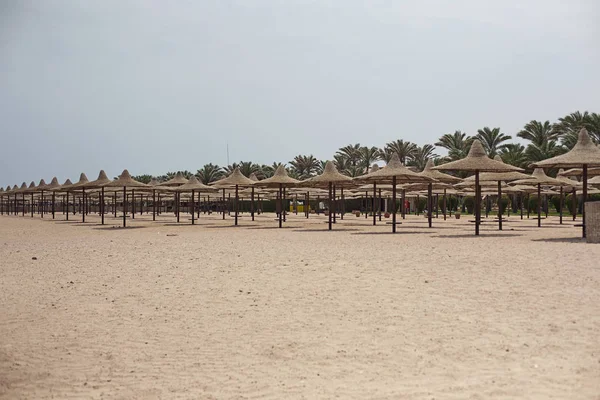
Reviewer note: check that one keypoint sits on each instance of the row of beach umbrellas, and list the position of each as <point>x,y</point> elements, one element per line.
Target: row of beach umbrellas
<point>489,176</point>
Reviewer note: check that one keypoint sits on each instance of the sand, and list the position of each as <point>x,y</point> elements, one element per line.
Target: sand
<point>163,311</point>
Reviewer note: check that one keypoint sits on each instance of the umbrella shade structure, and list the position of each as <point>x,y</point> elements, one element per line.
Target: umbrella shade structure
<point>394,172</point>
<point>125,181</point>
<point>539,178</point>
<point>101,182</point>
<point>496,178</point>
<point>177,180</point>
<point>477,161</point>
<point>429,172</point>
<point>52,187</point>
<point>583,155</point>
<point>279,180</point>
<point>235,179</point>
<point>329,178</point>
<point>193,185</point>
<point>579,172</point>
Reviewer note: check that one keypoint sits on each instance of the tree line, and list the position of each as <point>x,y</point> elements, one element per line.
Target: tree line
<point>543,140</point>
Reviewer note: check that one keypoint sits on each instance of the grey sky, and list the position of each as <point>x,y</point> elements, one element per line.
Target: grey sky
<point>154,86</point>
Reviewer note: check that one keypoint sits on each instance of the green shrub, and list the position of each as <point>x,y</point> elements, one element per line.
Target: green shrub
<point>504,203</point>
<point>469,203</point>
<point>451,203</point>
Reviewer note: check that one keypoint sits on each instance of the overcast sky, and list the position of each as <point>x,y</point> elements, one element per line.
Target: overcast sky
<point>156,86</point>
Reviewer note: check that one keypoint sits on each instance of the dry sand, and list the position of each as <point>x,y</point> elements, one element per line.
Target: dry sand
<point>256,312</point>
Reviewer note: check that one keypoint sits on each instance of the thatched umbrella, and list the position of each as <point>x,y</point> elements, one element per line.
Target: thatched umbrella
<point>178,180</point>
<point>571,185</point>
<point>2,193</point>
<point>52,186</point>
<point>428,172</point>
<point>579,172</point>
<point>477,161</point>
<point>328,179</point>
<point>72,187</point>
<point>99,183</point>
<point>498,178</point>
<point>125,180</point>
<point>194,185</point>
<point>235,179</point>
<point>22,190</point>
<point>64,188</point>
<point>83,180</point>
<point>393,172</point>
<point>31,190</point>
<point>254,178</point>
<point>280,179</point>
<point>584,154</point>
<point>539,178</point>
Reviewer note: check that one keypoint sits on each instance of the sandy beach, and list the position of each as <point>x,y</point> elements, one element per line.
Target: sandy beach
<point>212,311</point>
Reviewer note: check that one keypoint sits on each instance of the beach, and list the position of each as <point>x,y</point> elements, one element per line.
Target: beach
<point>162,310</point>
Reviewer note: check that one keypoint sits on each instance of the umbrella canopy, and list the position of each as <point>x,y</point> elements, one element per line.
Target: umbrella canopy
<point>279,178</point>
<point>394,169</point>
<point>154,182</point>
<point>125,180</point>
<point>477,160</point>
<point>177,180</point>
<point>31,187</point>
<point>498,176</point>
<point>253,177</point>
<point>23,188</point>
<point>236,178</point>
<point>82,181</point>
<point>330,174</point>
<point>42,185</point>
<point>428,172</point>
<point>585,152</point>
<point>595,181</point>
<point>101,181</point>
<point>53,185</point>
<point>539,177</point>
<point>579,172</point>
<point>65,186</point>
<point>435,186</point>
<point>194,184</point>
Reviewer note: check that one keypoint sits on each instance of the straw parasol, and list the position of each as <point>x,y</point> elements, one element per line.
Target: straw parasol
<point>125,180</point>
<point>584,154</point>
<point>101,182</point>
<point>539,178</point>
<point>579,172</point>
<point>329,178</point>
<point>53,186</point>
<point>477,161</point>
<point>235,179</point>
<point>280,179</point>
<point>430,173</point>
<point>393,172</point>
<point>194,185</point>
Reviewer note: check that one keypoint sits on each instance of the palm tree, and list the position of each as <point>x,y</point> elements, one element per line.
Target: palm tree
<point>568,127</point>
<point>247,168</point>
<point>538,133</point>
<point>341,162</point>
<point>514,154</point>
<point>351,153</point>
<point>458,144</point>
<point>231,167</point>
<point>267,171</point>
<point>405,150</point>
<point>209,173</point>
<point>304,166</point>
<point>421,155</point>
<point>143,178</point>
<point>368,155</point>
<point>492,140</point>
<point>320,167</point>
